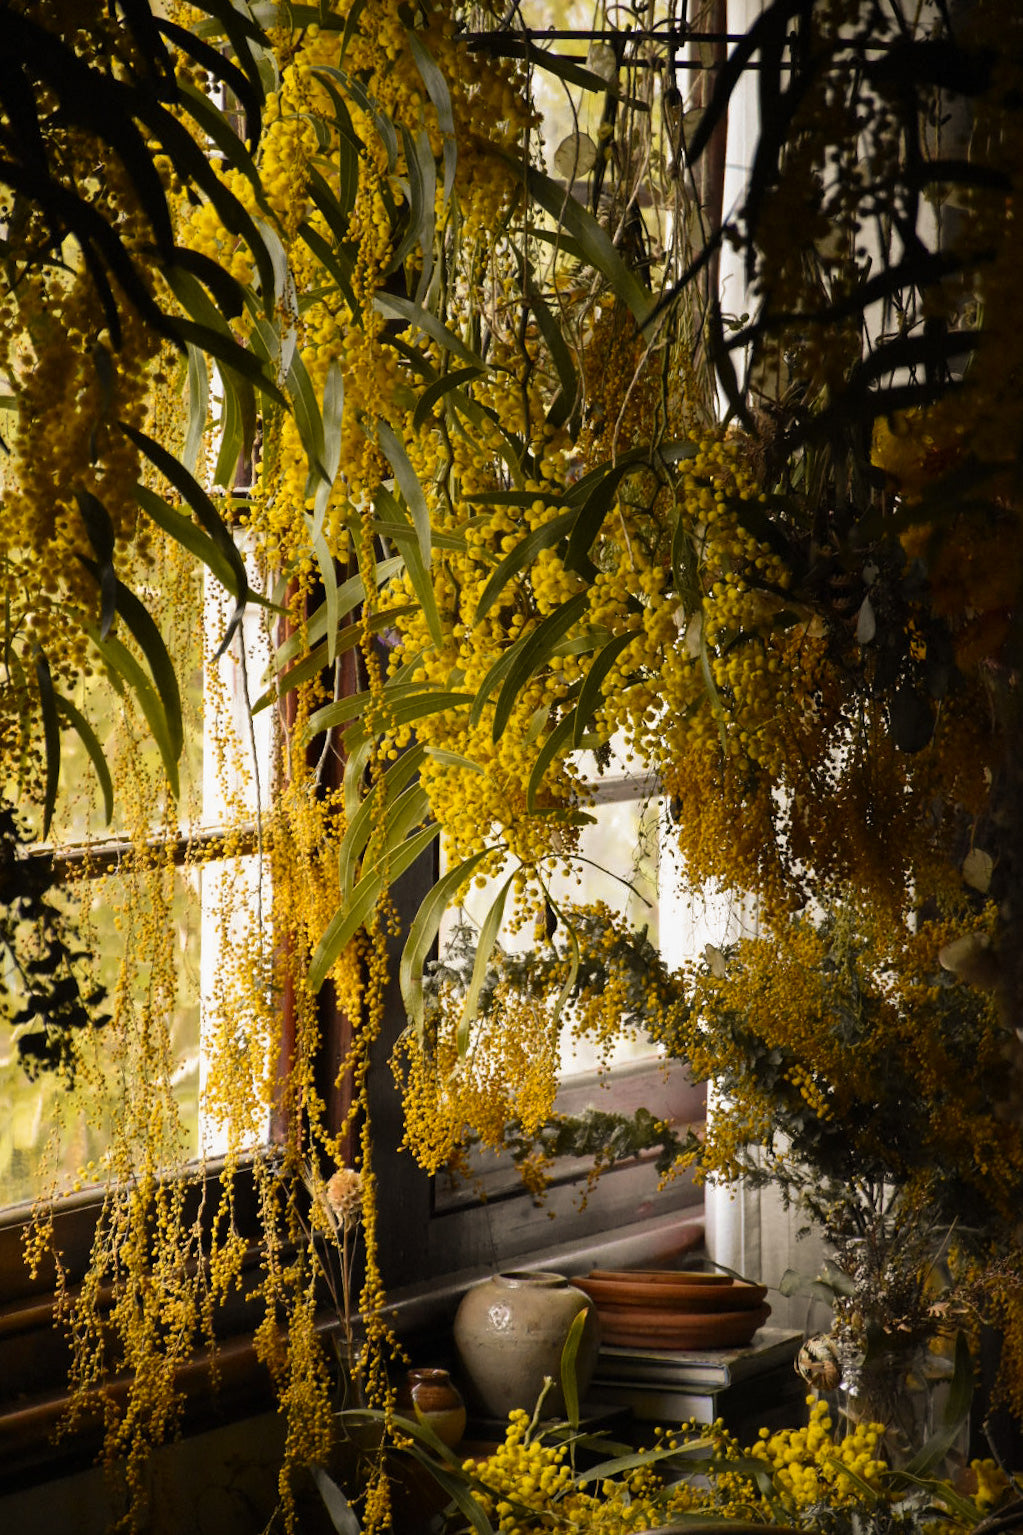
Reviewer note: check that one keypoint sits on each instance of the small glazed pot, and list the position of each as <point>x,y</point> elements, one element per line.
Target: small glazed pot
<point>510,1331</point>
<point>431,1397</point>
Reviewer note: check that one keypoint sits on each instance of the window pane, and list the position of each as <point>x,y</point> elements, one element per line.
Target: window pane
<point>50,1132</point>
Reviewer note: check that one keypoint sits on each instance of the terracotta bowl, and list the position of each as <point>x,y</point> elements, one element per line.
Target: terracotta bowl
<point>662,1276</point>
<point>628,1327</point>
<point>636,1291</point>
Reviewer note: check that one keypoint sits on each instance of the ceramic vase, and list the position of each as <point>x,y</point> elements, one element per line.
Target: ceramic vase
<point>430,1396</point>
<point>510,1331</point>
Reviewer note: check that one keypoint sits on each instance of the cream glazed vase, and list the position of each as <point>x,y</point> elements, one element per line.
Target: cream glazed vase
<point>509,1333</point>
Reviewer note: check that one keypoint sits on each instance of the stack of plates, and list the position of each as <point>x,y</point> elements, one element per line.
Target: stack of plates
<point>674,1309</point>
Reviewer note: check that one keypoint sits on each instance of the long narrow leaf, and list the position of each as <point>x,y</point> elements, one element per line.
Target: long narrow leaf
<point>121,661</point>
<point>393,307</point>
<point>150,641</point>
<point>423,933</point>
<point>589,693</point>
<point>198,406</point>
<point>190,489</point>
<point>561,736</point>
<point>101,536</point>
<point>436,391</point>
<point>351,917</point>
<point>569,1375</point>
<point>339,1510</point>
<point>184,531</point>
<point>593,240</point>
<point>531,652</point>
<point>408,484</point>
<point>489,930</point>
<point>349,594</point>
<point>90,741</point>
<point>568,377</point>
<point>593,513</point>
<point>437,90</point>
<point>521,557</point>
<point>358,830</point>
<point>51,734</point>
<point>392,514</point>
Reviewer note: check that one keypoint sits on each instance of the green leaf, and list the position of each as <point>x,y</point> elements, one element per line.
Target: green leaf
<point>593,240</point>
<point>101,536</point>
<point>870,1496</point>
<point>318,659</point>
<point>198,405</point>
<point>561,356</point>
<point>422,187</point>
<point>349,594</point>
<point>121,661</point>
<point>335,211</point>
<point>51,734</point>
<point>569,1377</point>
<point>436,391</point>
<point>184,531</point>
<point>437,90</point>
<point>358,830</point>
<point>189,488</point>
<point>402,707</point>
<point>333,415</point>
<point>404,815</point>
<point>392,516</point>
<point>357,912</point>
<point>589,693</point>
<point>506,45</point>
<point>337,262</point>
<point>339,1510</point>
<point>530,652</point>
<point>232,434</point>
<point>595,508</point>
<point>453,1483</point>
<point>393,307</point>
<point>217,127</point>
<point>408,484</point>
<point>306,411</point>
<point>561,736</point>
<point>369,104</point>
<point>522,556</point>
<point>489,930</point>
<point>355,11</point>
<point>423,933</point>
<point>328,580</point>
<point>954,1416</point>
<point>150,642</point>
<point>90,741</point>
<point>452,759</point>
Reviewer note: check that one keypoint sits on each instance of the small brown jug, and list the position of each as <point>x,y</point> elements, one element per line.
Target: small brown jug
<point>431,1397</point>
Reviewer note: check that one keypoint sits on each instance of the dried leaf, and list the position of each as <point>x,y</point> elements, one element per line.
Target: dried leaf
<point>978,867</point>
<point>575,156</point>
<point>602,60</point>
<point>866,623</point>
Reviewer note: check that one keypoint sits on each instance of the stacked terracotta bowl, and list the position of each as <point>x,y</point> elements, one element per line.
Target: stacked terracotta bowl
<point>674,1309</point>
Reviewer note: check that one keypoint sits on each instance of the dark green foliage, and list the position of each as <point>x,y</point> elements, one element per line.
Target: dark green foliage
<point>39,954</point>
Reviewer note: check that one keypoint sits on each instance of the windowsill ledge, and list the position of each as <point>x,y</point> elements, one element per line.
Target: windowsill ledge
<point>654,1243</point>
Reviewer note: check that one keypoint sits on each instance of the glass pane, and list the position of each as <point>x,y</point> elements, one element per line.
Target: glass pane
<point>53,1135</point>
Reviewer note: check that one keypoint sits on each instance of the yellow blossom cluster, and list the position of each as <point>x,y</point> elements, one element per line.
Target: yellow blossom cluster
<point>802,1030</point>
<point>810,1465</point>
<point>68,472</point>
<point>530,1483</point>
